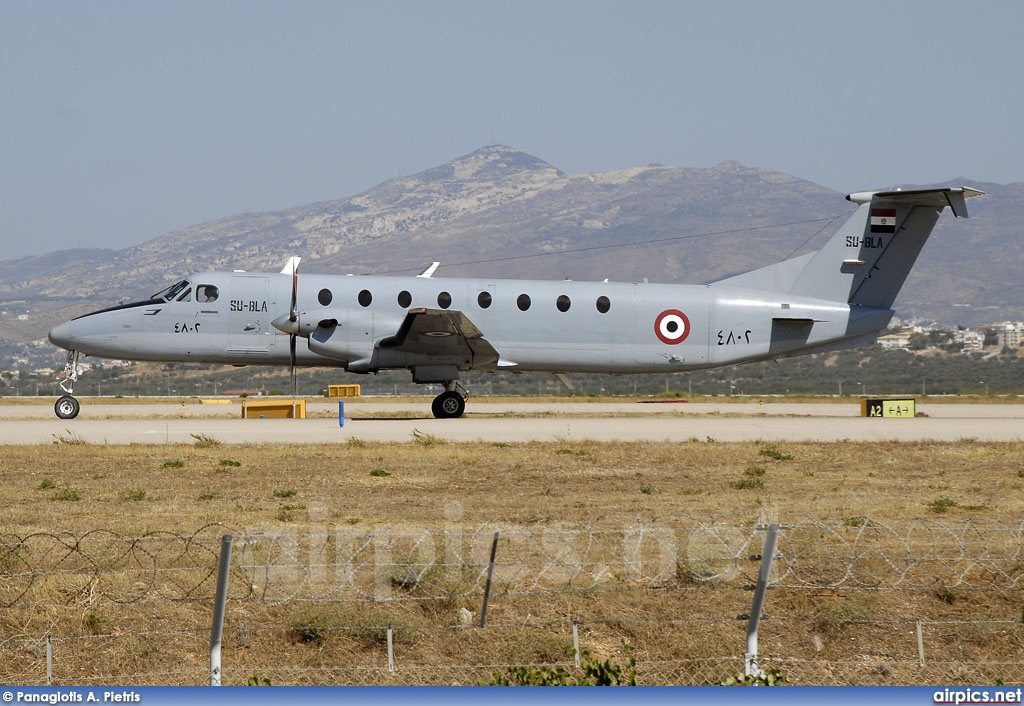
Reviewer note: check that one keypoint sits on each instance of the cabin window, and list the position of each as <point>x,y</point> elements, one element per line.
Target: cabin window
<point>563,303</point>
<point>444,300</point>
<point>604,304</point>
<point>483,299</point>
<point>207,293</point>
<point>185,296</point>
<point>523,302</point>
<point>365,298</point>
<point>325,297</point>
<point>404,299</point>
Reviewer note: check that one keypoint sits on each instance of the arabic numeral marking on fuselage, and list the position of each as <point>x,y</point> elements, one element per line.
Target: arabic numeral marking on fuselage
<point>185,327</point>
<point>731,338</point>
<point>252,306</point>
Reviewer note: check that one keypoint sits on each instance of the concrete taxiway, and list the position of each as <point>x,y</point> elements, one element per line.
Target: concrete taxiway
<point>372,420</point>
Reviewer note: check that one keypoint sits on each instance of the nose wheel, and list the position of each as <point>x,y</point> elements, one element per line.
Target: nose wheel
<point>67,407</point>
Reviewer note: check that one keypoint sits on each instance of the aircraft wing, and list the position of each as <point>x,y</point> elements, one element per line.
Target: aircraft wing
<point>445,337</point>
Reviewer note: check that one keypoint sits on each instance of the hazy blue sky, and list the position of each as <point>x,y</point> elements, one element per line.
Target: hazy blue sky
<point>121,121</point>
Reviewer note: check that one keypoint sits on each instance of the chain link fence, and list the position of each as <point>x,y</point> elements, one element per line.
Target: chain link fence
<point>860,602</point>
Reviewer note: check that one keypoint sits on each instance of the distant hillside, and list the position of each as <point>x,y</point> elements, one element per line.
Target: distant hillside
<point>500,212</point>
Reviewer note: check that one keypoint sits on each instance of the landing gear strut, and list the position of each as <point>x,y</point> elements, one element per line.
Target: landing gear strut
<point>451,403</point>
<point>67,406</point>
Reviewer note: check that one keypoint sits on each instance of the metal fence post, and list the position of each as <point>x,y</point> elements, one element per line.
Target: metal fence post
<point>219,602</point>
<point>754,619</point>
<point>487,587</point>
<point>920,643</point>
<point>576,643</point>
<point>391,649</point>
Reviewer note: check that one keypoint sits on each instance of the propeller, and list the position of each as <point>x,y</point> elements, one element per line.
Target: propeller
<point>290,324</point>
<point>293,319</point>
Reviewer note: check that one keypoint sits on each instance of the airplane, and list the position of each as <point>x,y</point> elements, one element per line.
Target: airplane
<point>840,296</point>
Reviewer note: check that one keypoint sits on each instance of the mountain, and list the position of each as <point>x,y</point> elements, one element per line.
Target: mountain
<point>499,212</point>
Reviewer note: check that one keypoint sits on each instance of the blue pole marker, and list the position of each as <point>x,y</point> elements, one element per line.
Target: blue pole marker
<point>341,413</point>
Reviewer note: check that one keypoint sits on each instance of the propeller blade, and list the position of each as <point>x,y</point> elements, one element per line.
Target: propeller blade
<point>291,359</point>
<point>293,311</point>
<point>290,323</point>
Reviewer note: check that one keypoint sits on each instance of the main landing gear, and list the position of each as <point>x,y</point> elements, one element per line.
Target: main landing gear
<point>451,403</point>
<point>67,406</point>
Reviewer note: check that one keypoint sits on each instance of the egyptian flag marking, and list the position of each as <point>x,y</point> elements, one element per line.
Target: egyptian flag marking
<point>883,220</point>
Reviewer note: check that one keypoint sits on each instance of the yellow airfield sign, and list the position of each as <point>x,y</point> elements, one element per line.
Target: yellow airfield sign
<point>886,409</point>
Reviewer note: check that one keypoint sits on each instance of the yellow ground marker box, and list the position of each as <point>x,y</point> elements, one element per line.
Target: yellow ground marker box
<point>335,391</point>
<point>273,409</point>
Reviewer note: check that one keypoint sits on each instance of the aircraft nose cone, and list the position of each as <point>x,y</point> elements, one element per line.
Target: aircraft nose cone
<point>61,335</point>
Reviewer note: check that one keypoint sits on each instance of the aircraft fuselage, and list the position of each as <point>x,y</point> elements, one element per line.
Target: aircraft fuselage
<point>547,326</point>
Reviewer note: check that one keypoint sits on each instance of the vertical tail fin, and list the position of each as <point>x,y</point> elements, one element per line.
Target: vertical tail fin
<point>868,259</point>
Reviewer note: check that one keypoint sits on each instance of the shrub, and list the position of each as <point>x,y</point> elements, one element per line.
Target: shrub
<point>595,673</point>
<point>748,484</point>
<point>775,455</point>
<point>940,505</point>
<point>204,442</point>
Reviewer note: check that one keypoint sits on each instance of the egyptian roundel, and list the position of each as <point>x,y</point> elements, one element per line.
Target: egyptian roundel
<point>672,326</point>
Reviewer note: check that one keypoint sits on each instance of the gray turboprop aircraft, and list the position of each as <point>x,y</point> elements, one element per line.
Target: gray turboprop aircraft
<point>437,328</point>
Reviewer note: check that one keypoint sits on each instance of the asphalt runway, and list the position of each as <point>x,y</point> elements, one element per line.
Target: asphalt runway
<point>373,420</point>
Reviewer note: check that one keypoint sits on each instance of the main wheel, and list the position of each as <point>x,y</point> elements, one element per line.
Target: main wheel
<point>448,405</point>
<point>67,407</point>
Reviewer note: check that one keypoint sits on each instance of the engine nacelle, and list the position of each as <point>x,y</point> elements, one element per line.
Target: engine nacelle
<point>349,334</point>
<point>332,344</point>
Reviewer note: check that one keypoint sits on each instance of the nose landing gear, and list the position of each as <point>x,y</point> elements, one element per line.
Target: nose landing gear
<point>67,407</point>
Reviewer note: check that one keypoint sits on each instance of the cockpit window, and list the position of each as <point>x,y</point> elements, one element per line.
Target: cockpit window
<point>206,293</point>
<point>174,291</point>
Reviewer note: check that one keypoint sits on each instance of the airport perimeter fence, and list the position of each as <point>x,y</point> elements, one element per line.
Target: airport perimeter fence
<point>862,602</point>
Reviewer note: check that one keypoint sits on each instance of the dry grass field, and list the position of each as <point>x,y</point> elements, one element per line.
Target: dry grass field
<point>70,490</point>
<point>69,487</point>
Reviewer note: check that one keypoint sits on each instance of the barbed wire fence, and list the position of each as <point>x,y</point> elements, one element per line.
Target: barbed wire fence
<point>861,602</point>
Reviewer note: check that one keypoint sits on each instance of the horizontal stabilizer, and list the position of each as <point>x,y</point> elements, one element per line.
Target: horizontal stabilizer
<point>954,197</point>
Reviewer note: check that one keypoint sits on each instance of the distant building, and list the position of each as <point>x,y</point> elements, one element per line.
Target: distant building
<point>894,341</point>
<point>1009,333</point>
<point>970,340</point>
